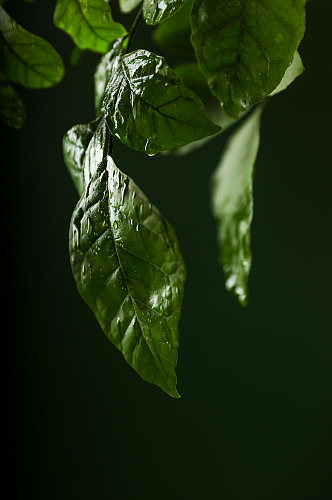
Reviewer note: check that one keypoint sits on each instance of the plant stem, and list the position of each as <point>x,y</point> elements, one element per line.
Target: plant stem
<point>134,28</point>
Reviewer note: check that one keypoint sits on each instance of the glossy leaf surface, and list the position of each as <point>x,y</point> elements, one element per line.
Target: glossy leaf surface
<point>174,34</point>
<point>103,72</point>
<point>12,110</point>
<point>129,270</point>
<point>232,202</point>
<point>157,11</point>
<point>89,23</point>
<point>84,147</point>
<point>149,109</point>
<point>245,46</point>
<point>128,5</point>
<point>27,59</point>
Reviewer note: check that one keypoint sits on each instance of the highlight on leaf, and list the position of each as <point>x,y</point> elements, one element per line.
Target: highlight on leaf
<point>127,6</point>
<point>157,11</point>
<point>84,147</point>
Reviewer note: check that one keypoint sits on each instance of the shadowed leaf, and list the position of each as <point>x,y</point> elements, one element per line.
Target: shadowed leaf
<point>12,110</point>
<point>232,202</point>
<point>245,46</point>
<point>27,59</point>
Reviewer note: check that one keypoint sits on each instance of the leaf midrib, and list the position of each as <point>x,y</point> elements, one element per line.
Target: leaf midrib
<point>89,24</point>
<point>157,110</point>
<point>32,68</point>
<point>158,361</point>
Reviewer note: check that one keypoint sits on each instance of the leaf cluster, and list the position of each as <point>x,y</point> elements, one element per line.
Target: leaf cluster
<point>125,256</point>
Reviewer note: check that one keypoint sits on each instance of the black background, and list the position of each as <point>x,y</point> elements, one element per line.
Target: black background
<point>254,419</point>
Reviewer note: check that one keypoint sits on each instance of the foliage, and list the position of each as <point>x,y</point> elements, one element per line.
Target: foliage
<point>125,256</point>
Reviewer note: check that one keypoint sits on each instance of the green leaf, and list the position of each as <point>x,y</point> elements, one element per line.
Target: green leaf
<point>128,5</point>
<point>245,46</point>
<point>292,72</point>
<point>26,58</point>
<point>174,34</point>
<point>89,23</point>
<point>129,270</point>
<point>157,11</point>
<point>214,112</point>
<point>12,110</point>
<point>232,202</point>
<point>103,72</point>
<point>193,79</point>
<point>84,147</point>
<point>149,109</point>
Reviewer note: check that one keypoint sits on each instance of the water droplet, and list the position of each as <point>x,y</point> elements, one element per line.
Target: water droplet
<point>86,273</point>
<point>242,296</point>
<point>118,324</point>
<point>245,264</point>
<point>123,191</point>
<point>202,14</point>
<point>75,237</point>
<point>137,227</point>
<point>115,224</point>
<point>231,282</point>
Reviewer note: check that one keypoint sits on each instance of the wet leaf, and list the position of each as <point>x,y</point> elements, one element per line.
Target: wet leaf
<point>104,70</point>
<point>149,109</point>
<point>195,81</point>
<point>128,5</point>
<point>84,147</point>
<point>157,11</point>
<point>12,110</point>
<point>89,23</point>
<point>129,270</point>
<point>27,59</point>
<point>173,35</point>
<point>245,46</point>
<point>232,202</point>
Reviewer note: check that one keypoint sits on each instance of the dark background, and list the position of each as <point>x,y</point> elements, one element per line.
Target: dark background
<point>254,419</point>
